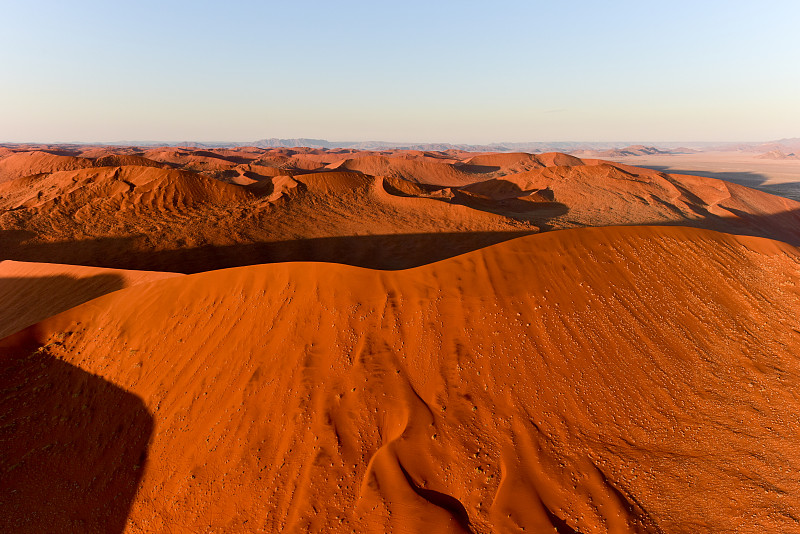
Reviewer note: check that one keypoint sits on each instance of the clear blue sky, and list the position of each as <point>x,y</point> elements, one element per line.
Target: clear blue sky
<point>457,71</point>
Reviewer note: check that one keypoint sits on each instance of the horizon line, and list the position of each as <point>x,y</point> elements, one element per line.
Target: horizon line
<point>388,144</point>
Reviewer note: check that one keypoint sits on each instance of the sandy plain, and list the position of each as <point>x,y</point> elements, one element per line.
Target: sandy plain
<point>779,177</point>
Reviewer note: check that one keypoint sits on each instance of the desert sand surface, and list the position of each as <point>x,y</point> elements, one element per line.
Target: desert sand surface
<point>622,379</point>
<point>392,341</point>
<point>31,292</point>
<point>767,171</point>
<point>204,210</point>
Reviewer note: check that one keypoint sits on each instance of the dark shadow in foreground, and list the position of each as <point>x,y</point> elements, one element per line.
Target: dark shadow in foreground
<point>72,446</point>
<point>29,300</point>
<point>388,252</point>
<point>398,251</point>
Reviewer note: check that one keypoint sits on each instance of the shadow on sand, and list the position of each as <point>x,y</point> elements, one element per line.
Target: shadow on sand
<point>386,252</point>
<point>73,446</point>
<point>35,298</point>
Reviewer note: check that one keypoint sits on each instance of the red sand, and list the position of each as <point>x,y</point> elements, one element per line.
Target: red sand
<point>227,208</point>
<point>31,292</point>
<point>36,162</point>
<point>617,379</point>
<point>633,378</point>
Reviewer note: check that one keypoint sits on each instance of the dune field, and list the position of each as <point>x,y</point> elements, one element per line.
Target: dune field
<point>333,340</point>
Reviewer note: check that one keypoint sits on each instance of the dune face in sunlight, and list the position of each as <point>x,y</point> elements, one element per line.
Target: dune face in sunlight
<point>593,380</point>
<point>184,210</point>
<point>403,343</point>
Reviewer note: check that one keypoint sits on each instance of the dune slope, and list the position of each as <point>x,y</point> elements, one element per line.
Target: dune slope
<point>390,210</point>
<point>210,209</point>
<point>38,162</point>
<point>148,218</point>
<point>613,379</point>
<point>31,292</point>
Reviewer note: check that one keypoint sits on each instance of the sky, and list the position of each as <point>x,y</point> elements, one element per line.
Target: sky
<point>412,71</point>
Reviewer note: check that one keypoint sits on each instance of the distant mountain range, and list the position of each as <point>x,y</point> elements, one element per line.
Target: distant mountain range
<point>585,148</point>
<point>790,145</point>
<point>537,146</point>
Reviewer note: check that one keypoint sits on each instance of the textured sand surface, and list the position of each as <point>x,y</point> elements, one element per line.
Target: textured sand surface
<point>392,341</point>
<point>208,210</point>
<point>31,292</point>
<point>632,379</point>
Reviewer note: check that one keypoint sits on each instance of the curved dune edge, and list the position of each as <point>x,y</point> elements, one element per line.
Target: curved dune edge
<point>619,379</point>
<point>201,210</point>
<point>31,292</point>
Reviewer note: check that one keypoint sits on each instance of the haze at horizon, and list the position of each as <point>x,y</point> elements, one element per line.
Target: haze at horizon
<point>461,72</point>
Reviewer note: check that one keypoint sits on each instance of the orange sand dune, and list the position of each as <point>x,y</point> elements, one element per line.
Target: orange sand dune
<point>197,161</point>
<point>387,209</point>
<point>297,163</point>
<point>441,169</point>
<point>37,162</point>
<point>620,379</point>
<point>609,194</point>
<point>557,159</point>
<point>117,188</point>
<point>117,160</point>
<point>31,292</point>
<point>508,161</point>
<point>335,183</point>
<point>414,169</point>
<point>514,162</point>
<point>96,152</point>
<point>158,219</point>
